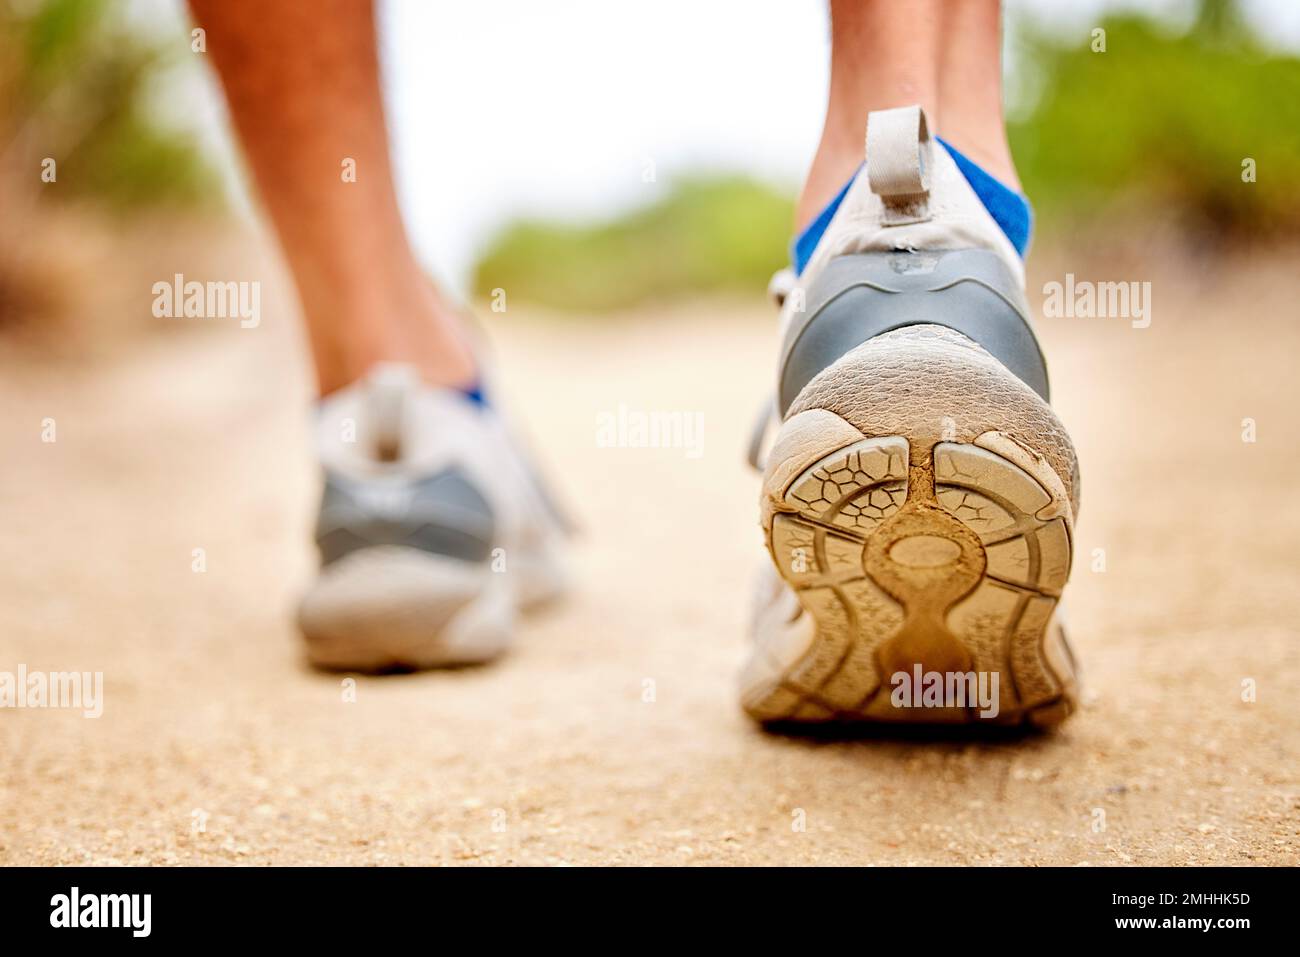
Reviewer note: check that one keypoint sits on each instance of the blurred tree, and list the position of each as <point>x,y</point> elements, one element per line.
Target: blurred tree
<point>1162,120</point>
<point>706,235</point>
<point>1157,127</point>
<point>74,86</point>
<point>77,122</point>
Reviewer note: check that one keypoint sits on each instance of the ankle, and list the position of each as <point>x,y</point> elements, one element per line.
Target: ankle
<point>990,150</point>
<point>446,367</point>
<point>832,167</point>
<point>415,326</point>
<point>840,156</point>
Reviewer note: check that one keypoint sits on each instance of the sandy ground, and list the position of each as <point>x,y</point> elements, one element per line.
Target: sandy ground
<point>217,745</point>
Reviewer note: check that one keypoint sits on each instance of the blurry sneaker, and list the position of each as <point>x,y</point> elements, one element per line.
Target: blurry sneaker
<point>919,499</point>
<point>433,530</point>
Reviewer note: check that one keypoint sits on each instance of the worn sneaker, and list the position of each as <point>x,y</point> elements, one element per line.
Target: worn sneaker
<point>433,530</point>
<point>919,499</point>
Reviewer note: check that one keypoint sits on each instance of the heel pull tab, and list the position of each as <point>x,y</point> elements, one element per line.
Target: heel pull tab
<point>387,388</point>
<point>898,163</point>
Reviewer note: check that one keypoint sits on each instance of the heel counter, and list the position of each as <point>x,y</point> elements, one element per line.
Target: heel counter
<point>862,295</point>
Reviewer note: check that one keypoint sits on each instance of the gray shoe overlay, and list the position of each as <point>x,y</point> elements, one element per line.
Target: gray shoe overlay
<point>860,296</point>
<point>444,514</point>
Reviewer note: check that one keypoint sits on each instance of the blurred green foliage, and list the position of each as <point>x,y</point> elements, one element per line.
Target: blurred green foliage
<point>76,78</point>
<point>1161,121</point>
<point>1158,124</point>
<point>708,234</point>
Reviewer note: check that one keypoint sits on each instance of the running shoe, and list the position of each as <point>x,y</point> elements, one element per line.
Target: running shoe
<point>434,530</point>
<point>919,498</point>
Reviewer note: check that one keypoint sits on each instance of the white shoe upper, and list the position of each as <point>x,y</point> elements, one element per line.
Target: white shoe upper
<point>390,432</point>
<point>910,195</point>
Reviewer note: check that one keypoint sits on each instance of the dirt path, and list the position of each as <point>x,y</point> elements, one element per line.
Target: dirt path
<point>192,439</point>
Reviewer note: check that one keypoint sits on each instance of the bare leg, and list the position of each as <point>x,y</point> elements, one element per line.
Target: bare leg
<point>884,53</point>
<point>970,85</point>
<point>302,81</point>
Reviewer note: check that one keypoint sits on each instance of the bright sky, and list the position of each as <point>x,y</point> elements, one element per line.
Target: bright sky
<point>508,107</point>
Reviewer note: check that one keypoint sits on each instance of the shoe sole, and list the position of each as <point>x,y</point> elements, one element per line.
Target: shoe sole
<point>908,552</point>
<point>391,608</point>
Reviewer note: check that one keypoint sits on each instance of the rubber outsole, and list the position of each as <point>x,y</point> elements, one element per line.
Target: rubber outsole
<point>391,608</point>
<point>948,556</point>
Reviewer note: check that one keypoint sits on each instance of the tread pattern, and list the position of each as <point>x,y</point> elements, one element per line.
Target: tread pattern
<point>954,561</point>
